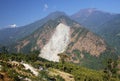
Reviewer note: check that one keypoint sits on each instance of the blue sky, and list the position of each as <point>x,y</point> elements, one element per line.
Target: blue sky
<point>22,12</point>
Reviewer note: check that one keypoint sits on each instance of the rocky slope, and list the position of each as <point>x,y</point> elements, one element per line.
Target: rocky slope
<point>60,35</point>
<point>102,23</point>
<point>57,43</point>
<point>64,35</point>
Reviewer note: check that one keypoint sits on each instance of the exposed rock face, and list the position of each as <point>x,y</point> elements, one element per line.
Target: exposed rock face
<point>57,44</point>
<point>90,43</point>
<point>23,43</point>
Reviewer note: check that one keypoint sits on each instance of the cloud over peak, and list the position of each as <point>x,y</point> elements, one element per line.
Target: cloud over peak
<point>45,7</point>
<point>12,26</point>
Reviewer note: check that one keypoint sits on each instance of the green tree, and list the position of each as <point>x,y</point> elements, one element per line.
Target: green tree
<point>63,57</point>
<point>111,68</point>
<point>4,50</point>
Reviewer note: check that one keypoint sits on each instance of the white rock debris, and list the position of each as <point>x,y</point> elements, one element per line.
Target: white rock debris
<point>33,70</point>
<point>57,44</point>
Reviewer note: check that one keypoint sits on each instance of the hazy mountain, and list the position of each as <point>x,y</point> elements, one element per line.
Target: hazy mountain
<point>64,35</point>
<point>92,18</point>
<point>102,23</point>
<point>9,36</point>
<point>111,31</point>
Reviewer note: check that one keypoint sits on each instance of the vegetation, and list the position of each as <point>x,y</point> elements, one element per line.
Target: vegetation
<point>109,73</point>
<point>94,62</point>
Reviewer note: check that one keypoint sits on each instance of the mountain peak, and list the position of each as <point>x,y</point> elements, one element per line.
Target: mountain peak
<point>87,12</point>
<point>55,14</point>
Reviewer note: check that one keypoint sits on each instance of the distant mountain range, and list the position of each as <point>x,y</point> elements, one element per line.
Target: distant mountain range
<point>59,33</point>
<point>92,18</point>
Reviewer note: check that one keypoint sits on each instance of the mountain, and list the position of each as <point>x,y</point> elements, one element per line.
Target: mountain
<point>9,36</point>
<point>110,31</point>
<point>89,18</point>
<point>65,36</point>
<point>102,23</point>
<point>92,18</point>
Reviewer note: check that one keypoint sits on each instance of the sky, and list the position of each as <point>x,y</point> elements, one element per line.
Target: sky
<point>15,13</point>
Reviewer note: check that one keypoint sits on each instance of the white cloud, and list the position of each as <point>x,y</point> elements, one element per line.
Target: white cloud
<point>45,7</point>
<point>12,26</point>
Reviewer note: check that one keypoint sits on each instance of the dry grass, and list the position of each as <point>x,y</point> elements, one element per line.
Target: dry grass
<point>64,75</point>
<point>5,77</point>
